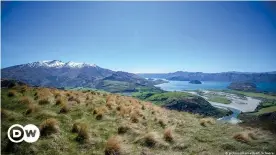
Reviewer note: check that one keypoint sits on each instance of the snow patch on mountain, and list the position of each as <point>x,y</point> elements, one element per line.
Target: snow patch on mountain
<point>59,64</point>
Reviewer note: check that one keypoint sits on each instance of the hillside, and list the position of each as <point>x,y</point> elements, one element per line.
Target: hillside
<point>91,122</point>
<point>182,101</point>
<point>55,73</point>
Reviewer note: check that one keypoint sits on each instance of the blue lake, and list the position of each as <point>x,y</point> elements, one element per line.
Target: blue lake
<point>185,85</point>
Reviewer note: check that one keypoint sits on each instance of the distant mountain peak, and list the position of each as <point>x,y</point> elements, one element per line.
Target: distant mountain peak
<point>59,64</point>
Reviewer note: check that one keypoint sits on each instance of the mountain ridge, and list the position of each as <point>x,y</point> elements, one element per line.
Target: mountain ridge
<point>223,76</point>
<point>55,73</point>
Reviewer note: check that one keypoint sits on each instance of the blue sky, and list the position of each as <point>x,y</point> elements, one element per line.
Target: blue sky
<point>142,36</point>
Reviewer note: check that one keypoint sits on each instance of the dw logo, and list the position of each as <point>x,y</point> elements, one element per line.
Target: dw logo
<point>17,133</point>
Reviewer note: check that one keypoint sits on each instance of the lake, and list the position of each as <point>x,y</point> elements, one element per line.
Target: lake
<point>210,85</point>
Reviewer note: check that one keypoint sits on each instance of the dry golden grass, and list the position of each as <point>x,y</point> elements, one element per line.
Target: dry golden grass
<point>206,121</point>
<point>245,136</point>
<point>4,113</point>
<point>134,118</point>
<point>83,133</point>
<point>64,108</point>
<point>49,126</point>
<point>109,105</point>
<point>168,135</point>
<point>11,93</point>
<point>123,129</point>
<point>25,100</point>
<point>162,123</point>
<point>59,101</point>
<point>76,127</point>
<point>113,146</point>
<point>44,101</point>
<point>242,137</point>
<point>150,139</point>
<point>31,109</point>
<point>57,95</point>
<point>99,115</point>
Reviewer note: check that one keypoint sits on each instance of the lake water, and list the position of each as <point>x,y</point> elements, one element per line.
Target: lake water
<point>211,85</point>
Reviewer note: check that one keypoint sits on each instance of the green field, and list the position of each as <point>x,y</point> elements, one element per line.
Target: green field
<point>266,110</point>
<point>252,94</point>
<point>219,100</point>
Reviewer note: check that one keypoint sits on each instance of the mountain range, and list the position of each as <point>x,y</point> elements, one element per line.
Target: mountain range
<point>223,76</point>
<point>55,73</point>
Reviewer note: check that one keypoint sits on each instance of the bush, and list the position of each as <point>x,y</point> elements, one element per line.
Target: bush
<point>48,127</point>
<point>113,146</point>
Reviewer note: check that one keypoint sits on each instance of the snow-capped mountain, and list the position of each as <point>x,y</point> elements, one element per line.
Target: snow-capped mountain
<point>55,73</point>
<point>59,64</point>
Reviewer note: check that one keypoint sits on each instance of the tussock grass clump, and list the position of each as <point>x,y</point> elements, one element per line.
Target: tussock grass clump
<point>31,109</point>
<point>168,135</point>
<point>64,108</point>
<point>44,101</point>
<point>49,126</point>
<point>76,127</point>
<point>99,115</point>
<point>150,139</point>
<point>252,136</point>
<point>113,146</point>
<point>206,121</point>
<point>11,93</point>
<point>123,129</point>
<point>60,101</point>
<point>134,118</point>
<point>244,136</point>
<point>25,100</point>
<point>23,88</point>
<point>57,95</point>
<point>72,98</point>
<point>162,123</point>
<point>83,133</point>
<point>4,113</point>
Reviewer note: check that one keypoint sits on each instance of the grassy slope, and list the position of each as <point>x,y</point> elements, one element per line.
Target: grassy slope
<point>189,137</point>
<point>167,98</point>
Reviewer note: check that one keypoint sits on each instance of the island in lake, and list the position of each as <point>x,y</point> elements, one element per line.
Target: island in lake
<point>195,82</point>
<point>243,86</point>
